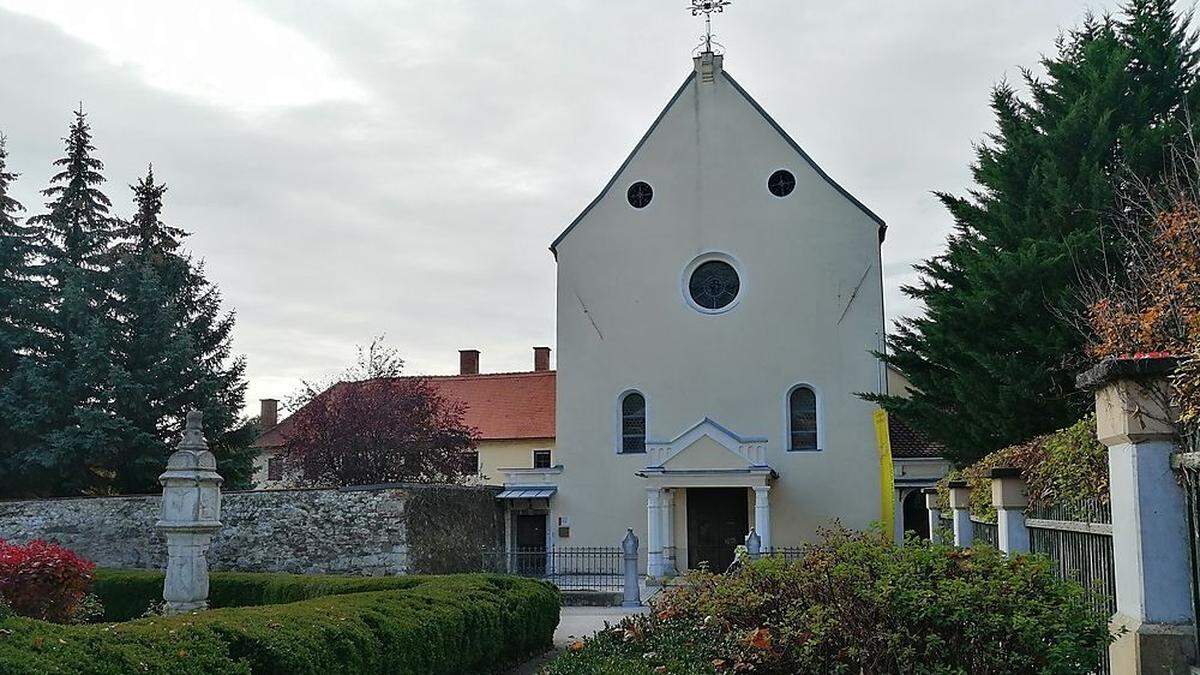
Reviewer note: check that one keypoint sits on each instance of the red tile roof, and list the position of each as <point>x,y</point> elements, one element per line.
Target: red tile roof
<point>501,406</point>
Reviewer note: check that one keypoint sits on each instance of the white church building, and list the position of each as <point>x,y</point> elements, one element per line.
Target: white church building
<point>718,304</point>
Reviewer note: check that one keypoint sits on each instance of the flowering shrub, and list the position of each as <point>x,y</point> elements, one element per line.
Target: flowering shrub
<point>856,604</point>
<point>43,581</point>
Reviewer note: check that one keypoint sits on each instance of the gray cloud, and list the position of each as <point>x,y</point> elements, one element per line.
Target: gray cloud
<point>425,209</point>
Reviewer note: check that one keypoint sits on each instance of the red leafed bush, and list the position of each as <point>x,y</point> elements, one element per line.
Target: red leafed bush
<point>42,580</point>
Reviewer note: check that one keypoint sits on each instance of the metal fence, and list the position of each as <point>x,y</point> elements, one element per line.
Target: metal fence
<point>1187,464</point>
<point>985,533</point>
<point>592,568</point>
<point>789,553</point>
<point>1077,538</point>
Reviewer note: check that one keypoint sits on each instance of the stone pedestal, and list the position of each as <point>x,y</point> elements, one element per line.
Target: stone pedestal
<point>1150,532</point>
<point>1010,500</point>
<point>935,515</point>
<point>191,514</point>
<point>960,502</point>
<point>632,591</point>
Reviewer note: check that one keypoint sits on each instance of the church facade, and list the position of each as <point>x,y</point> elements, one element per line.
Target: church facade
<point>717,308</point>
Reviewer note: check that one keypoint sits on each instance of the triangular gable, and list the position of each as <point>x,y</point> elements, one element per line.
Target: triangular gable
<point>678,92</point>
<point>770,121</point>
<point>750,451</point>
<point>796,146</point>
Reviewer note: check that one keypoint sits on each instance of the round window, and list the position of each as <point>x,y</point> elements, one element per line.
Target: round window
<point>714,285</point>
<point>640,194</point>
<point>781,183</point>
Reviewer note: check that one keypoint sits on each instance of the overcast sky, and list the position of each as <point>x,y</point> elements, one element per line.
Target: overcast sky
<point>356,168</point>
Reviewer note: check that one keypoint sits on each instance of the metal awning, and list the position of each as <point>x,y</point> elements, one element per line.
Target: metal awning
<point>539,492</point>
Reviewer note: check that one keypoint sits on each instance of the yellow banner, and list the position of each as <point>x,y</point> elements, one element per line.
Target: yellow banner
<point>887,487</point>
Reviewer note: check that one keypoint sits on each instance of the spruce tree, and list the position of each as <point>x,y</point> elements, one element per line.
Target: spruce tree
<point>20,302</point>
<point>994,355</point>
<point>173,351</point>
<point>69,397</point>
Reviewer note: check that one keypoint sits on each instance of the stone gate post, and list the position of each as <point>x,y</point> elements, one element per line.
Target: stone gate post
<point>960,501</point>
<point>629,548</point>
<point>1149,516</point>
<point>1009,498</point>
<point>935,515</point>
<point>191,514</point>
<point>753,544</point>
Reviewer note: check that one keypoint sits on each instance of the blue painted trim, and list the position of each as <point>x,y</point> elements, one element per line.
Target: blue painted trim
<point>657,120</point>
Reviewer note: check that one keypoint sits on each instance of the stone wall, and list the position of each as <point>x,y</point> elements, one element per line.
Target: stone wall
<point>358,530</point>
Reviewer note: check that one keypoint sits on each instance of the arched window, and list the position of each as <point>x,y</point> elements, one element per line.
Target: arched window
<point>633,422</point>
<point>802,419</point>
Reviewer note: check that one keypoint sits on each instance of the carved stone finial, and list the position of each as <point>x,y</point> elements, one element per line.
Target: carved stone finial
<point>193,432</point>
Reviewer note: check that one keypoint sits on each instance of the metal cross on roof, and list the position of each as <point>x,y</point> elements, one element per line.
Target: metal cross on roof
<point>708,8</point>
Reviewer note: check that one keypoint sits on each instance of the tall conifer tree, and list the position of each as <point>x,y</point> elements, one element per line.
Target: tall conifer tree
<point>20,302</point>
<point>70,398</point>
<point>174,351</point>
<point>994,355</point>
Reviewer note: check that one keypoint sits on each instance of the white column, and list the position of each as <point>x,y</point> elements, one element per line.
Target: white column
<point>653,533</point>
<point>667,508</point>
<point>960,501</point>
<point>762,515</point>
<point>935,514</point>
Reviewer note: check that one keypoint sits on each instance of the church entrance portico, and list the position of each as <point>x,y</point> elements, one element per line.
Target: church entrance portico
<point>704,476</point>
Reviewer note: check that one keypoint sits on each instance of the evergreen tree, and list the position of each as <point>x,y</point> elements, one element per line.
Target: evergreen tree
<point>69,394</point>
<point>20,300</point>
<point>173,352</point>
<point>993,357</point>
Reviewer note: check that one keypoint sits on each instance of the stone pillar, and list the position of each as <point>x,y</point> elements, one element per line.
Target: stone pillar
<point>1008,496</point>
<point>753,544</point>
<point>191,514</point>
<point>667,507</point>
<point>935,514</point>
<point>960,501</point>
<point>653,536</point>
<point>1149,516</point>
<point>629,547</point>
<point>762,515</point>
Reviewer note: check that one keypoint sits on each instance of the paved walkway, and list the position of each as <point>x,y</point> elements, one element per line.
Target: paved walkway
<point>576,623</point>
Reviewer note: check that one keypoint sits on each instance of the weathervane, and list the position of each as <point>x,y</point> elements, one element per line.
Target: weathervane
<point>708,8</point>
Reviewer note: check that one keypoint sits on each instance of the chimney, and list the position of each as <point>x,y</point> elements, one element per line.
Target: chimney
<point>268,415</point>
<point>468,362</point>
<point>541,358</point>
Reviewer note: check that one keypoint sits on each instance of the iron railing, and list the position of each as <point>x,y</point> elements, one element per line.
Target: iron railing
<point>985,533</point>
<point>1187,464</point>
<point>593,568</point>
<point>1077,538</point>
<point>789,553</point>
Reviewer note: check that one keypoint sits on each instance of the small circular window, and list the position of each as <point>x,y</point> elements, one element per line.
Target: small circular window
<point>640,194</point>
<point>781,183</point>
<point>714,285</point>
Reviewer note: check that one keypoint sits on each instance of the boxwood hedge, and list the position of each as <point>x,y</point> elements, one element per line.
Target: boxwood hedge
<point>127,594</point>
<point>472,623</point>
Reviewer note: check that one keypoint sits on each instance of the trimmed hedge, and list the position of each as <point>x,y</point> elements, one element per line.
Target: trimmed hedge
<point>126,594</point>
<point>472,623</point>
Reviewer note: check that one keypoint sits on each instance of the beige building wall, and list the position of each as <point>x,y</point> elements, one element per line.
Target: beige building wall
<point>518,454</point>
<point>810,312</point>
<point>493,456</point>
